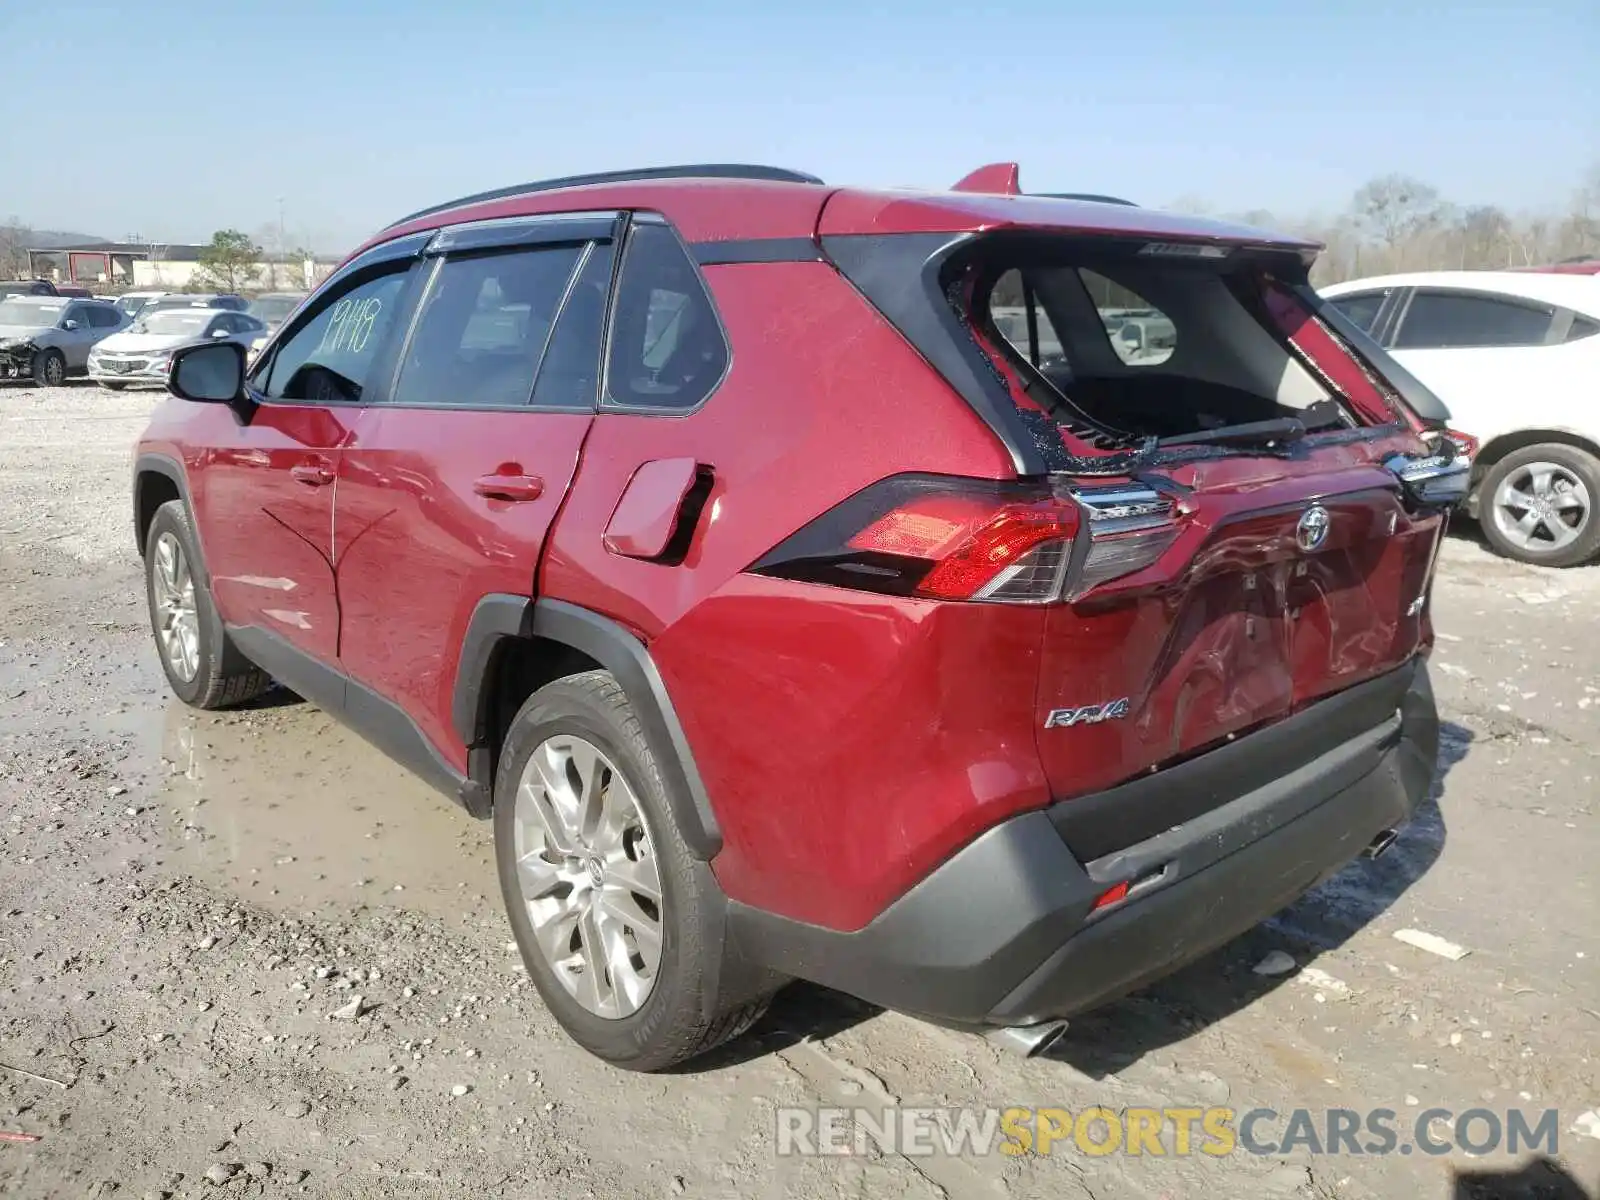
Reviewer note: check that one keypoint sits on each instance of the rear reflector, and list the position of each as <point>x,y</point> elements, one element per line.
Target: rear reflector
<point>963,539</point>
<point>1110,896</point>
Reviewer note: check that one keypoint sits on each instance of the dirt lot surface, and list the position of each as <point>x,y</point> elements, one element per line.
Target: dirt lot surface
<point>186,898</point>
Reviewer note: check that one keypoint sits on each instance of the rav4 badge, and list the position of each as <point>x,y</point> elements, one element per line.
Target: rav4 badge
<point>1089,714</point>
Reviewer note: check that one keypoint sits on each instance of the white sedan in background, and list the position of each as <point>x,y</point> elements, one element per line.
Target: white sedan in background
<point>141,353</point>
<point>1516,358</point>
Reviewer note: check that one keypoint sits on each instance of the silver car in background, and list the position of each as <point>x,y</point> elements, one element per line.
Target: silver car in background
<point>47,338</point>
<point>141,353</point>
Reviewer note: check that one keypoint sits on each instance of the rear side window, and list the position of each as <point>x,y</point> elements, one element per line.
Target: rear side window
<point>483,328</point>
<point>1443,320</point>
<point>1582,327</point>
<point>667,346</point>
<point>329,358</point>
<point>1362,309</point>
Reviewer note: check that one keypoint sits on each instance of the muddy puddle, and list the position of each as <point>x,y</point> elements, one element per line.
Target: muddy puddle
<point>282,805</point>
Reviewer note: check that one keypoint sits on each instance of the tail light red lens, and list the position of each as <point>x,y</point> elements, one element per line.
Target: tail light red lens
<point>960,539</point>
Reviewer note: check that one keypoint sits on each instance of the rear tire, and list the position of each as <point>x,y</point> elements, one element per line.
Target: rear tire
<point>1541,505</point>
<point>203,666</point>
<point>49,368</point>
<point>640,1010</point>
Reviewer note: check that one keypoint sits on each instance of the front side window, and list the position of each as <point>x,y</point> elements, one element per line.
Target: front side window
<point>667,347</point>
<point>103,318</point>
<point>329,359</point>
<point>483,328</point>
<point>1448,320</point>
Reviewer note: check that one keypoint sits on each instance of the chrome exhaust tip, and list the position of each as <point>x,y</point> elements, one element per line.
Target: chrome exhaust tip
<point>1026,1040</point>
<point>1380,843</point>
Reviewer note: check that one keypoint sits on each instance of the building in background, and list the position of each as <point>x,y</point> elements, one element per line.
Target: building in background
<point>127,266</point>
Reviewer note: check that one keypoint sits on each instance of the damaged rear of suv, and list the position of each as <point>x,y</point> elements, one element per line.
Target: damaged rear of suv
<point>980,603</point>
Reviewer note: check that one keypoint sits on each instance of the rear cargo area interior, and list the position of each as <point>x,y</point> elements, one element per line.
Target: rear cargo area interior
<point>1149,348</point>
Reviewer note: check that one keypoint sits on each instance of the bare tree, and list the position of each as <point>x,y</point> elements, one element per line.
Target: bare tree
<point>1396,209</point>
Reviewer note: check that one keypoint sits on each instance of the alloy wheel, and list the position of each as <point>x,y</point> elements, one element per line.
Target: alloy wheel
<point>177,625</point>
<point>55,371</point>
<point>1542,506</point>
<point>588,876</point>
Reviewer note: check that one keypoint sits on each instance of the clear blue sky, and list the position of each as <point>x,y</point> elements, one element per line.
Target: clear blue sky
<point>206,114</point>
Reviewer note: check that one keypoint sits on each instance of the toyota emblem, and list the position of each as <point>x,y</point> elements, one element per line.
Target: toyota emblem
<point>1313,528</point>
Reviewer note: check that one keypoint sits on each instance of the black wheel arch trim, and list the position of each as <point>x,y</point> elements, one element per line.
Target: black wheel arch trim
<point>170,468</point>
<point>501,616</point>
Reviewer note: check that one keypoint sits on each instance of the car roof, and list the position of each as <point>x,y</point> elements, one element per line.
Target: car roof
<point>770,203</point>
<point>201,309</point>
<point>1581,292</point>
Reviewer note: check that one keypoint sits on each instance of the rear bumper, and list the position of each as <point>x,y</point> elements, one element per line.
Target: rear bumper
<point>1004,932</point>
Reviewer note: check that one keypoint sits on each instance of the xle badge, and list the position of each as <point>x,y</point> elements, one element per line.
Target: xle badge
<point>1089,714</point>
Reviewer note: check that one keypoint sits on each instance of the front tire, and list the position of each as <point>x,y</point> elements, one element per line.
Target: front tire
<point>203,667</point>
<point>618,923</point>
<point>49,368</point>
<point>1541,505</point>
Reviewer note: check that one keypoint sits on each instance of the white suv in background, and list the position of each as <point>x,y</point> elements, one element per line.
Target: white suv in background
<point>1516,358</point>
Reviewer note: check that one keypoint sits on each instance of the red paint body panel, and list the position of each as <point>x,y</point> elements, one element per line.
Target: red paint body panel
<point>771,436</point>
<point>645,516</point>
<point>418,548</point>
<point>852,742</point>
<point>851,211</point>
<point>267,538</point>
<point>1236,626</point>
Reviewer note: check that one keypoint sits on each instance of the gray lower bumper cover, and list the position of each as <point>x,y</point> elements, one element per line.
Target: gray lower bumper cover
<point>1002,933</point>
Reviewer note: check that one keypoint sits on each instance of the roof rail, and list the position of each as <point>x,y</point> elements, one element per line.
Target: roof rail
<point>1087,196</point>
<point>691,171</point>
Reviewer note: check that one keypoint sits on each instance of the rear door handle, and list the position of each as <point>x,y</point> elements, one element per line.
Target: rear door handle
<point>509,487</point>
<point>311,474</point>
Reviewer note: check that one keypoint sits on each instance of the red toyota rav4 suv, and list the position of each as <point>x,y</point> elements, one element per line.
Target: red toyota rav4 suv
<point>978,602</point>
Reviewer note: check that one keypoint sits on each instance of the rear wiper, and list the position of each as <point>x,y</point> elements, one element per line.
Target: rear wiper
<point>1252,433</point>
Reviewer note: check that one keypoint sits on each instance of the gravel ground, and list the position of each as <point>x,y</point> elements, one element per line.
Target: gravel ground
<point>186,900</point>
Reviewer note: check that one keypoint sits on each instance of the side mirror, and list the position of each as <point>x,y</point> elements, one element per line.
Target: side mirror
<point>216,333</point>
<point>69,325</point>
<point>211,373</point>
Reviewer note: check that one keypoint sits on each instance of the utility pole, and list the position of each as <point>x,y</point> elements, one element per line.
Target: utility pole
<point>283,244</point>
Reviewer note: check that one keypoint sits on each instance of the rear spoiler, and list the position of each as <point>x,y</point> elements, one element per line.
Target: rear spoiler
<point>1004,179</point>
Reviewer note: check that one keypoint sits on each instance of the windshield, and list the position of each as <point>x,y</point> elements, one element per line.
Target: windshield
<point>130,305</point>
<point>33,312</point>
<point>272,309</point>
<point>174,321</point>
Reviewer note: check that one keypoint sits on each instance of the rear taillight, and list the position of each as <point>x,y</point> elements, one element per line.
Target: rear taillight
<point>960,539</point>
<point>1129,528</point>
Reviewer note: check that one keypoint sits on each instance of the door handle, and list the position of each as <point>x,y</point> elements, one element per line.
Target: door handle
<point>509,487</point>
<point>311,474</point>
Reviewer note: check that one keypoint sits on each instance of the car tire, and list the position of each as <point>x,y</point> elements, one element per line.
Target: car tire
<point>203,666</point>
<point>1541,505</point>
<point>49,368</point>
<point>681,1012</point>
<point>113,387</point>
